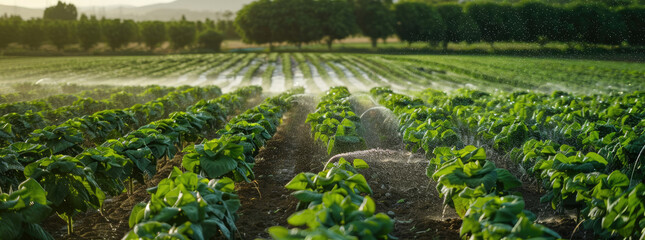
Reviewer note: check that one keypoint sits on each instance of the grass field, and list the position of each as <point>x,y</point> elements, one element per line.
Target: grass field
<point>413,146</point>
<point>318,71</point>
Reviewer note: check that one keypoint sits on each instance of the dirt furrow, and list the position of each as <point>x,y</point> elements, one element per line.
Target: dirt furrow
<point>265,202</point>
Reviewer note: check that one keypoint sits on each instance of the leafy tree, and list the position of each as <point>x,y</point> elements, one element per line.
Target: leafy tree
<point>153,33</point>
<point>182,33</point>
<point>337,20</point>
<point>489,20</point>
<point>117,33</point>
<point>634,19</point>
<point>459,26</point>
<point>540,21</point>
<point>200,26</point>
<point>211,39</point>
<point>596,24</point>
<point>564,30</point>
<point>8,32</point>
<point>136,33</point>
<point>410,20</point>
<point>512,27</point>
<point>294,21</point>
<point>59,33</point>
<point>88,32</point>
<point>418,22</point>
<point>225,25</point>
<point>254,23</point>
<point>374,19</point>
<point>61,11</point>
<point>5,34</point>
<point>33,33</point>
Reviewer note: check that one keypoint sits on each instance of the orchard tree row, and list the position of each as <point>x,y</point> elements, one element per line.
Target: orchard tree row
<point>305,21</point>
<point>88,32</point>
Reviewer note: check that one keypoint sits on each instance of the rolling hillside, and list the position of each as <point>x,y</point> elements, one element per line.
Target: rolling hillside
<point>192,9</point>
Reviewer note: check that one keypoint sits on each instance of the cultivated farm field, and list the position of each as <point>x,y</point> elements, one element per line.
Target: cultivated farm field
<point>321,146</point>
<point>316,72</point>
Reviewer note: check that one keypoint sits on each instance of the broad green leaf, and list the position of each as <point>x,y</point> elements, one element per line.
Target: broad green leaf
<point>368,205</point>
<point>302,217</point>
<point>360,164</point>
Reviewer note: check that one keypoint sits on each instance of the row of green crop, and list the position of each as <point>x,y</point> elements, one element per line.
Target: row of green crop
<point>187,206</point>
<point>335,124</point>
<point>610,125</point>
<point>480,192</point>
<point>585,150</point>
<point>537,74</point>
<point>335,204</point>
<point>25,92</point>
<point>78,134</point>
<point>574,145</point>
<point>232,154</point>
<point>61,100</point>
<point>74,184</point>
<point>610,203</point>
<point>109,68</point>
<point>17,127</point>
<point>483,195</point>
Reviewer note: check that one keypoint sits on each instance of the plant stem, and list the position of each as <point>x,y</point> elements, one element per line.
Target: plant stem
<point>131,186</point>
<point>70,226</point>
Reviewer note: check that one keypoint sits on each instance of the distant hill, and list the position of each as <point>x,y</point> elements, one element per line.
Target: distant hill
<point>26,13</point>
<point>199,5</point>
<point>192,9</point>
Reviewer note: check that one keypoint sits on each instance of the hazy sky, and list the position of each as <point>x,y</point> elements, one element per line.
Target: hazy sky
<point>80,3</point>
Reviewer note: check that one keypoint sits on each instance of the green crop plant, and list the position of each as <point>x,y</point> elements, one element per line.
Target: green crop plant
<point>335,124</point>
<point>71,187</point>
<point>22,210</point>
<point>287,68</point>
<point>217,158</point>
<point>232,154</point>
<point>110,169</point>
<point>337,217</point>
<point>230,62</point>
<point>267,75</point>
<point>464,175</point>
<point>252,71</point>
<point>243,63</point>
<point>158,230</point>
<point>559,170</point>
<point>335,204</point>
<point>494,217</point>
<point>341,176</point>
<point>196,205</point>
<point>143,147</point>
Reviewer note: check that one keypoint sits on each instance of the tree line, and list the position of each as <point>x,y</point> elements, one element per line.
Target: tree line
<point>306,21</point>
<point>60,27</point>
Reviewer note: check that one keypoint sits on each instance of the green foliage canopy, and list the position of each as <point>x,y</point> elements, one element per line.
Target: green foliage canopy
<point>182,34</point>
<point>153,33</point>
<point>88,31</point>
<point>61,11</point>
<point>374,19</point>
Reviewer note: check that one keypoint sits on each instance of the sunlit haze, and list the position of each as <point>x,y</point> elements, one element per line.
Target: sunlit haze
<point>80,3</point>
